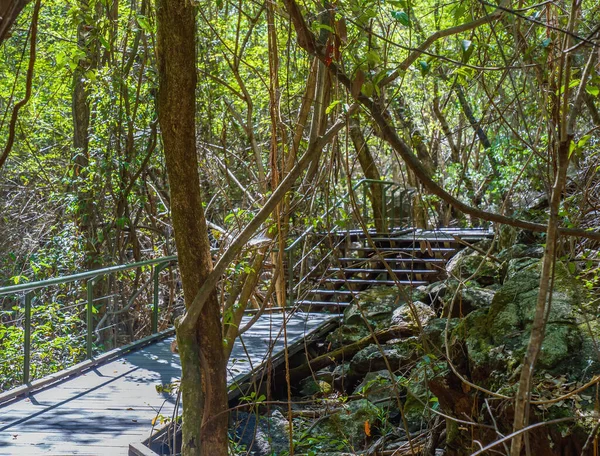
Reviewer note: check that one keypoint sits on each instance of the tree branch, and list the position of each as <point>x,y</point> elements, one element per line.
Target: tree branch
<point>188,322</point>
<point>404,151</point>
<point>25,100</point>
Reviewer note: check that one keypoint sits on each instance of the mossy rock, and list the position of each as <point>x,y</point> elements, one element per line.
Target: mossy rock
<point>373,358</point>
<point>521,251</point>
<point>375,304</point>
<point>471,265</point>
<point>461,301</point>
<point>413,316</point>
<point>496,338</point>
<point>380,387</point>
<point>419,399</point>
<point>344,430</point>
<point>434,332</point>
<point>311,387</point>
<point>347,334</point>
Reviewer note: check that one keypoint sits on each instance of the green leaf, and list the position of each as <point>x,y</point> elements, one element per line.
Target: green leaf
<point>373,57</point>
<point>401,17</point>
<point>332,106</point>
<point>592,90</point>
<point>583,141</point>
<point>467,48</point>
<point>368,88</point>
<point>320,26</point>
<point>143,23</point>
<point>459,12</point>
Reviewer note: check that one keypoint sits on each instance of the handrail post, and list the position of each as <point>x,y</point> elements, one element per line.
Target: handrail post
<point>290,298</point>
<point>384,206</point>
<point>157,270</point>
<point>155,301</point>
<point>27,341</point>
<point>395,215</point>
<point>90,316</point>
<point>364,201</point>
<point>401,209</point>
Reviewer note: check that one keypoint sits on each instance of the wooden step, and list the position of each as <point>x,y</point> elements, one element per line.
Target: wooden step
<point>327,291</point>
<point>430,264</point>
<point>379,259</point>
<point>307,302</point>
<point>375,283</point>
<point>403,249</point>
<point>381,271</point>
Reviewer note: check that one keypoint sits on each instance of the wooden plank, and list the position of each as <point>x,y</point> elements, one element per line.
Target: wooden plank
<point>106,407</point>
<point>81,367</point>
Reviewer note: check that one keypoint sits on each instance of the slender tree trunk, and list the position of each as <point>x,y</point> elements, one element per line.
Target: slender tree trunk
<point>370,171</point>
<point>86,214</point>
<point>203,383</point>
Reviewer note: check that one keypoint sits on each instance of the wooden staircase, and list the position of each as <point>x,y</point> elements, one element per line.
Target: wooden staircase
<point>407,257</point>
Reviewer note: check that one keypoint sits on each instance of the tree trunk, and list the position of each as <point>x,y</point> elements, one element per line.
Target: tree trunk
<point>370,171</point>
<point>9,11</point>
<point>204,381</point>
<point>80,107</point>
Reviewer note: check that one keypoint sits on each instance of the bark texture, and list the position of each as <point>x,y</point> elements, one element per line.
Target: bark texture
<point>204,387</point>
<point>9,11</point>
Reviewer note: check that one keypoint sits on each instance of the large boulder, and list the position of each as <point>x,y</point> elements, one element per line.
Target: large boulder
<point>469,264</point>
<point>343,430</point>
<point>415,315</point>
<point>376,358</point>
<point>376,306</point>
<point>314,386</point>
<point>380,388</point>
<point>259,435</point>
<point>496,338</point>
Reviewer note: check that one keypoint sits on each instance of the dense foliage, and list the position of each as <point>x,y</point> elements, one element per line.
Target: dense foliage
<point>480,108</point>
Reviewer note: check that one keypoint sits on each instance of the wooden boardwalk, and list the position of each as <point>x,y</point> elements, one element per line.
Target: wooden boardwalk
<point>103,410</point>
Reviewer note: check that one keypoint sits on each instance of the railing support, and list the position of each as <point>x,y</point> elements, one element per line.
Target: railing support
<point>27,341</point>
<point>90,317</point>
<point>290,296</point>
<point>157,270</point>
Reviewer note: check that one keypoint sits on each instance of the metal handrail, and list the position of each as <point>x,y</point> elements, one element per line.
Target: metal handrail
<point>91,277</point>
<point>30,286</point>
<point>159,264</point>
<point>336,205</point>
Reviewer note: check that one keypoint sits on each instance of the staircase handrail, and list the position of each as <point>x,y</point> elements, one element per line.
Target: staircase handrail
<point>289,251</point>
<point>336,205</point>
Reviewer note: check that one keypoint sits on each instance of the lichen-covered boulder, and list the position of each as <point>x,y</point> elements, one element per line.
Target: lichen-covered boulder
<point>373,357</point>
<point>419,399</point>
<point>461,301</point>
<point>496,338</point>
<point>376,306</point>
<point>471,265</point>
<point>381,388</point>
<point>344,429</point>
<point>311,387</point>
<point>435,331</point>
<point>521,251</point>
<point>413,316</point>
